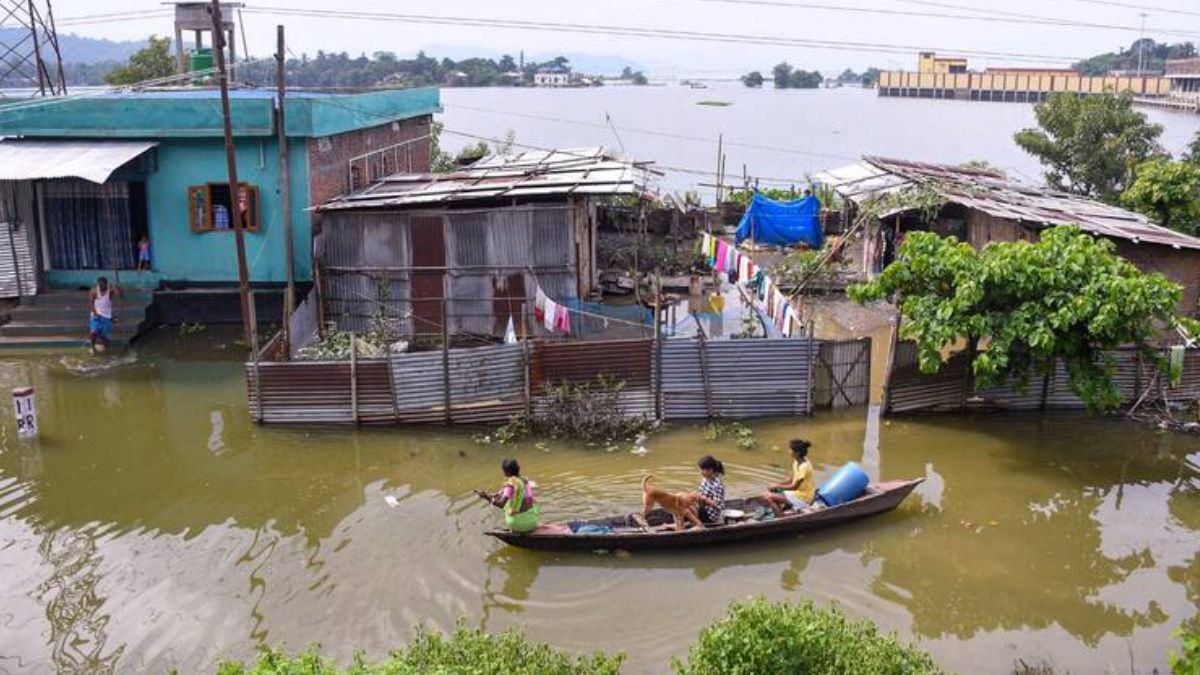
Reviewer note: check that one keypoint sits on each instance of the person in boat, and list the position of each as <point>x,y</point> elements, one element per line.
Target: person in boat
<point>798,492</point>
<point>521,512</point>
<point>711,490</point>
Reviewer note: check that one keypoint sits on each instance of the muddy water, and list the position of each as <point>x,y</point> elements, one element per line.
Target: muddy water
<point>153,525</point>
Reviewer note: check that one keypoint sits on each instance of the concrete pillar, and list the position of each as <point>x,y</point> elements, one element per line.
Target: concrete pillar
<point>180,62</point>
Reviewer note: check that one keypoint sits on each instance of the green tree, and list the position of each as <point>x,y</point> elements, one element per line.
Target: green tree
<point>870,76</point>
<point>1168,192</point>
<point>805,79</point>
<point>1192,153</point>
<point>753,79</point>
<point>151,62</point>
<point>1090,145</point>
<point>1068,296</point>
<point>782,74</point>
<point>635,76</point>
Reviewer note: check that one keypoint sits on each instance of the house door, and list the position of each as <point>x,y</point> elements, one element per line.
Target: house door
<point>428,277</point>
<point>90,226</point>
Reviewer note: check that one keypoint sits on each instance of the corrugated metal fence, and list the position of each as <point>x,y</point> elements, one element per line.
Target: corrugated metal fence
<point>18,271</point>
<point>671,379</point>
<point>952,387</point>
<point>842,373</point>
<point>737,378</point>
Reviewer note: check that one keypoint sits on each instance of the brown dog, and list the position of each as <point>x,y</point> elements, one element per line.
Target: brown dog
<point>681,505</point>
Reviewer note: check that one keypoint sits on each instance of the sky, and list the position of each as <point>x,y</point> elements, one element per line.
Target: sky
<point>789,19</point>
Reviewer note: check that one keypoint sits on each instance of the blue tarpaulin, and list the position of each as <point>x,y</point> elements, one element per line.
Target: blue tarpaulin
<point>782,223</point>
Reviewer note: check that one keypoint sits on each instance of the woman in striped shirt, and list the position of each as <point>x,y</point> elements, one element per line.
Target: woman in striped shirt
<point>711,490</point>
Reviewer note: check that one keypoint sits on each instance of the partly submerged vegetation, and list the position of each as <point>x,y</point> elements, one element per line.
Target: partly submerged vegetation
<point>754,637</point>
<point>1066,297</point>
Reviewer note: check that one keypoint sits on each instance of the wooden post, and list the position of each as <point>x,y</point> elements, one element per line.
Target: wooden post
<point>446,359</point>
<point>289,299</point>
<point>231,166</point>
<point>720,143</point>
<point>1046,387</point>
<point>890,364</point>
<point>969,377</point>
<point>392,384</point>
<point>527,364</point>
<point>708,402</point>
<point>658,401</point>
<point>354,377</point>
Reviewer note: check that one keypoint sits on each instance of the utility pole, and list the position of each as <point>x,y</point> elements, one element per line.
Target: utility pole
<point>234,188</point>
<point>289,299</point>
<point>1141,42</point>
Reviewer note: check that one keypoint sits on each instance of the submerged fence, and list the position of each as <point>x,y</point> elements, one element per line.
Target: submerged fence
<point>669,379</point>
<point>952,387</point>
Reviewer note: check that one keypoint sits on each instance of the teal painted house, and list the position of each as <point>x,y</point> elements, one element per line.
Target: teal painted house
<point>88,183</point>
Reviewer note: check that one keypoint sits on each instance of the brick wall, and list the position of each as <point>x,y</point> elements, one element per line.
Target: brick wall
<point>328,157</point>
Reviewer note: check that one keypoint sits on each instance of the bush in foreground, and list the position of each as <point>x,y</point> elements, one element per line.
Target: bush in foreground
<point>762,637</point>
<point>465,652</point>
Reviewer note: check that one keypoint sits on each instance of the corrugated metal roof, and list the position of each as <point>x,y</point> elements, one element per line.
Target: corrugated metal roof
<point>93,161</point>
<point>540,173</point>
<point>995,194</point>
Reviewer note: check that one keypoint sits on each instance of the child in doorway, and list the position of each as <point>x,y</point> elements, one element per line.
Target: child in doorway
<point>143,254</point>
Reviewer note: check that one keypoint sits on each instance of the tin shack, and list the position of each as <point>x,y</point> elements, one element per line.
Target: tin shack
<point>466,251</point>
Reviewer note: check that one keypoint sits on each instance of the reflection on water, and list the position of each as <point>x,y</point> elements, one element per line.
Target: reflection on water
<point>152,525</point>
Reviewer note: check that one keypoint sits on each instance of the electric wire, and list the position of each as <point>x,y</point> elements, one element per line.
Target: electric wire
<point>656,33</point>
<point>1023,20</point>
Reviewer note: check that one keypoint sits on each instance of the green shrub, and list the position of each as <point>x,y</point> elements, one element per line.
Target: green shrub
<point>1188,662</point>
<point>761,637</point>
<point>465,652</point>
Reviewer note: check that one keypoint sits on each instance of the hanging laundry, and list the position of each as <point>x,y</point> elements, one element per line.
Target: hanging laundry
<point>722,249</point>
<point>510,333</point>
<point>789,320</point>
<point>562,320</point>
<point>550,314</point>
<point>730,257</point>
<point>539,305</point>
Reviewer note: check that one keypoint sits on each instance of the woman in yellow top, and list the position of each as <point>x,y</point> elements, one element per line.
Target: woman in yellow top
<point>798,492</point>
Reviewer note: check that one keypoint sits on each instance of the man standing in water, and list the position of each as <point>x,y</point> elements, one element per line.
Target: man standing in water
<point>100,299</point>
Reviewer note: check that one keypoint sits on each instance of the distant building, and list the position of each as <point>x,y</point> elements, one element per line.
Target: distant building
<point>1038,72</point>
<point>1184,76</point>
<point>929,62</point>
<point>555,76</point>
<point>938,77</point>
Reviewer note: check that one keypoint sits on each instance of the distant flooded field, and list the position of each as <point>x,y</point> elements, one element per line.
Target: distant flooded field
<point>153,525</point>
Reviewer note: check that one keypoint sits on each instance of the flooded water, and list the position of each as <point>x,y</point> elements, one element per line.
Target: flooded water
<point>153,525</point>
<point>779,136</point>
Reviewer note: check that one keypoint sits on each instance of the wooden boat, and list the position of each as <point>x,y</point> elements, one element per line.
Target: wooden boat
<point>629,535</point>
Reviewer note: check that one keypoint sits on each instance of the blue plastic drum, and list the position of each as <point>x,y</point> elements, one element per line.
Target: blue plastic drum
<point>847,483</point>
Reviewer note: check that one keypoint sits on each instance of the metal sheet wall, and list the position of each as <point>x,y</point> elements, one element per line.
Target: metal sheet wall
<point>368,265</point>
<point>746,378</point>
<point>628,361</point>
<point>302,325</point>
<point>16,237</point>
<point>487,384</point>
<point>842,373</point>
<point>910,390</point>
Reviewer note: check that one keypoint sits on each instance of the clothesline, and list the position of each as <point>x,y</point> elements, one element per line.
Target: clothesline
<point>725,258</point>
